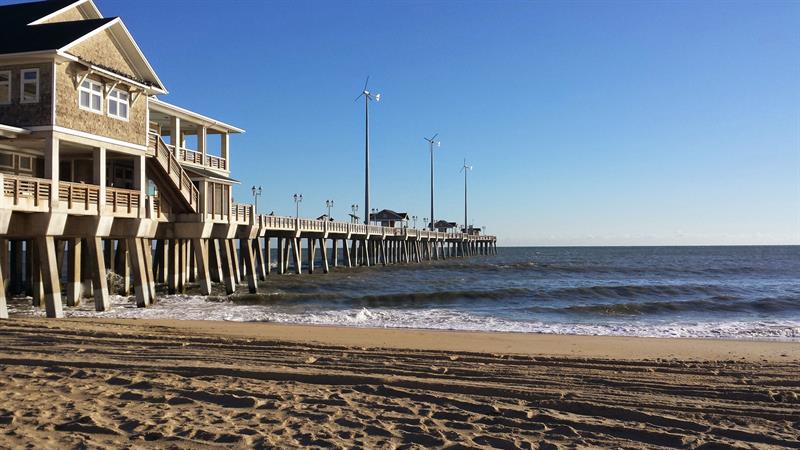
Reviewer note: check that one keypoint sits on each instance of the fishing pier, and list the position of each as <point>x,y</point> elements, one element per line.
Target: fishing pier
<point>101,176</point>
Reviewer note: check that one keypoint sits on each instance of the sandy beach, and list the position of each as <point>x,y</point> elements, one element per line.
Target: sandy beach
<point>146,384</point>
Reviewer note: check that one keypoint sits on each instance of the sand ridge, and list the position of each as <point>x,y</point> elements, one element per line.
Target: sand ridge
<point>131,384</point>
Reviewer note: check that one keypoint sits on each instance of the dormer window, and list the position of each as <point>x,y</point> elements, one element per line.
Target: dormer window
<point>118,104</point>
<point>5,87</point>
<point>29,80</point>
<point>90,96</point>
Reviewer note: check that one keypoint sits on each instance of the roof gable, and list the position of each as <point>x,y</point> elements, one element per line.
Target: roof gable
<point>76,10</point>
<point>52,36</point>
<point>22,14</point>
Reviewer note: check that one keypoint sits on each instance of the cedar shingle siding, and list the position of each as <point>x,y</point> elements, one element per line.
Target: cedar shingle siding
<point>70,115</point>
<point>29,114</point>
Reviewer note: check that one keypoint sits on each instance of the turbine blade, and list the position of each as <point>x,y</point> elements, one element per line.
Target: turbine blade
<point>360,95</point>
<point>434,136</point>
<point>365,83</point>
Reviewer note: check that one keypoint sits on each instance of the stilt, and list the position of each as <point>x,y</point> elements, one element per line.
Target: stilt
<point>228,267</point>
<point>16,264</point>
<point>268,254</point>
<point>298,268</point>
<point>172,266</point>
<point>46,248</point>
<point>200,247</point>
<point>249,264</point>
<point>136,256</point>
<point>281,255</point>
<point>346,250</point>
<point>37,284</point>
<point>215,264</point>
<point>237,268</point>
<point>323,247</point>
<point>366,252</point>
<point>97,268</point>
<point>87,269</point>
<point>310,254</point>
<point>259,255</point>
<point>3,278</point>
<point>147,252</point>
<point>160,261</point>
<point>74,272</point>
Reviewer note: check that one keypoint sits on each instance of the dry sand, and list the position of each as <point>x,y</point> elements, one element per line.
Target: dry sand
<point>155,384</point>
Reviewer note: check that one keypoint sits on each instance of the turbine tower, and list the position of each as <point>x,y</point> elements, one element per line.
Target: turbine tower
<point>465,168</point>
<point>367,97</point>
<point>433,142</point>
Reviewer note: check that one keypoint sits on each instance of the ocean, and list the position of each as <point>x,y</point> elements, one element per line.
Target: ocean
<point>749,292</point>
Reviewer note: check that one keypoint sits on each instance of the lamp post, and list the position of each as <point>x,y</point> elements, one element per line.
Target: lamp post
<point>367,97</point>
<point>433,142</point>
<point>329,204</point>
<point>374,213</point>
<point>414,218</point>
<point>425,225</point>
<point>354,208</point>
<point>256,194</point>
<point>298,198</point>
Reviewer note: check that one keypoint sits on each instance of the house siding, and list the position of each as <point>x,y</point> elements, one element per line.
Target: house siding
<point>70,115</point>
<point>69,15</point>
<point>29,114</point>
<point>103,51</point>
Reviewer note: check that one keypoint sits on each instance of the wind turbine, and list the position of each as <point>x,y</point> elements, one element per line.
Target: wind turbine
<point>367,97</point>
<point>465,168</point>
<point>433,142</point>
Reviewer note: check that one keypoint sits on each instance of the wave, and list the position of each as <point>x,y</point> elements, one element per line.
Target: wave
<point>636,291</point>
<point>713,304</point>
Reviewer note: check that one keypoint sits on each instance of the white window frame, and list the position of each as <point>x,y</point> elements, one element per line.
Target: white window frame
<point>30,163</point>
<point>23,82</point>
<point>119,101</point>
<point>91,93</point>
<point>6,85</point>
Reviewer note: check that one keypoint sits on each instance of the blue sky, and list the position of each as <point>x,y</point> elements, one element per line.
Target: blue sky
<point>588,123</point>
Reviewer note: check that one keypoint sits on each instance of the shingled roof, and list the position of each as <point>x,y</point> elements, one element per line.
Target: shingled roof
<point>52,36</point>
<point>21,14</point>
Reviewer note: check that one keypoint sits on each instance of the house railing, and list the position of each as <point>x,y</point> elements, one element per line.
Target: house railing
<point>79,194</point>
<point>123,200</point>
<point>21,187</point>
<point>174,170</point>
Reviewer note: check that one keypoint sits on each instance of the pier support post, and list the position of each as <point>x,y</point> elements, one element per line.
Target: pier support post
<point>310,254</point>
<point>3,306</point>
<point>228,267</point>
<point>74,272</point>
<point>172,266</point>
<point>298,268</point>
<point>259,255</point>
<point>147,252</point>
<point>200,247</point>
<point>323,247</point>
<point>138,267</point>
<point>335,248</point>
<point>249,265</point>
<point>268,255</point>
<point>46,248</point>
<point>216,261</point>
<point>35,274</point>
<point>281,255</point>
<point>346,250</point>
<point>237,269</point>
<point>365,249</point>
<point>97,267</point>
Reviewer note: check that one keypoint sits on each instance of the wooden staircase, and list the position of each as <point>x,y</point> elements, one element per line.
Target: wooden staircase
<point>170,176</point>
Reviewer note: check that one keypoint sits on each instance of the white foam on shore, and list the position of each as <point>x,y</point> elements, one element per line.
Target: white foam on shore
<point>200,308</point>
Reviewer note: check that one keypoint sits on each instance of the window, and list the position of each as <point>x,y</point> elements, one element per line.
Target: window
<point>29,89</point>
<point>90,96</point>
<point>25,163</point>
<point>5,87</point>
<point>118,104</point>
<point>6,160</point>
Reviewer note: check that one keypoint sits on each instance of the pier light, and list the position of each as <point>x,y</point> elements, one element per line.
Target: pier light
<point>414,218</point>
<point>298,198</point>
<point>256,194</point>
<point>425,219</point>
<point>329,205</point>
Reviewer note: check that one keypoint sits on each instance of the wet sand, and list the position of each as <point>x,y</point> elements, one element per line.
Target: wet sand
<point>96,383</point>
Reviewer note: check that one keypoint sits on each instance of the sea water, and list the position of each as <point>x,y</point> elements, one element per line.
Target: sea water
<point>708,292</point>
